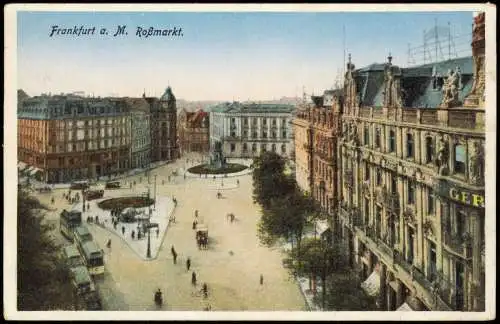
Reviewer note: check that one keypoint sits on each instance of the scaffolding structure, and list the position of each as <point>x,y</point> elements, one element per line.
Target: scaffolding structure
<point>439,44</point>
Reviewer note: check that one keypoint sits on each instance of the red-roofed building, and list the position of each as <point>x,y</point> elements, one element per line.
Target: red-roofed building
<point>193,131</point>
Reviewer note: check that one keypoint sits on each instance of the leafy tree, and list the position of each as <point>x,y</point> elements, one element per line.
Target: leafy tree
<point>269,179</point>
<point>317,258</point>
<point>42,282</point>
<point>345,294</point>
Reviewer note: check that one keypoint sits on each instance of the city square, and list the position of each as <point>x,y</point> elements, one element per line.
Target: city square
<point>226,167</point>
<point>231,266</point>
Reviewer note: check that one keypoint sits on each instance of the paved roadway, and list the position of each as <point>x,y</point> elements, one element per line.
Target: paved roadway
<point>231,266</point>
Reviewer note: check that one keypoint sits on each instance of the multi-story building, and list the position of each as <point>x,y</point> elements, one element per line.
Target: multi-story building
<point>247,129</point>
<point>140,142</point>
<point>316,129</point>
<point>411,173</point>
<point>303,135</point>
<point>67,138</point>
<point>193,129</point>
<point>164,141</point>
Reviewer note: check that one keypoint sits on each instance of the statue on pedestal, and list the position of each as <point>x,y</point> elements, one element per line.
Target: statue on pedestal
<point>451,88</point>
<point>476,164</point>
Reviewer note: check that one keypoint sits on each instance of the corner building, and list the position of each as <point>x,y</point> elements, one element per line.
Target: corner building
<point>66,138</point>
<point>163,121</point>
<point>411,179</point>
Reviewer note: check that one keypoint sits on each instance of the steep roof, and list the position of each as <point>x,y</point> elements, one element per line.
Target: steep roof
<point>138,104</point>
<point>21,95</point>
<point>168,95</point>
<point>417,82</point>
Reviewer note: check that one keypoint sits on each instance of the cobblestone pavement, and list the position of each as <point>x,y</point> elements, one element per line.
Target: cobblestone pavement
<point>231,266</point>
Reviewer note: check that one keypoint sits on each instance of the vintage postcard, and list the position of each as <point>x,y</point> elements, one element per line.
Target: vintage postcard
<point>291,162</point>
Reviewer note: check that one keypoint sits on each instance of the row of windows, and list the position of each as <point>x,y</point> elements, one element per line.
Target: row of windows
<point>263,134</point>
<point>459,151</point>
<point>255,119</point>
<point>393,187</point>
<point>263,148</point>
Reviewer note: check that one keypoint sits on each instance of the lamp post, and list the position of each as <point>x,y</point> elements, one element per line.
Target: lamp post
<point>148,252</point>
<point>154,198</point>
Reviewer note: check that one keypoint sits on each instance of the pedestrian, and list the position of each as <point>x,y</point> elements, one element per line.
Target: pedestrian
<point>172,250</point>
<point>52,200</point>
<point>237,182</point>
<point>157,232</point>
<point>108,245</point>
<point>261,279</point>
<point>196,213</point>
<point>205,290</point>
<point>97,219</point>
<point>194,224</point>
<point>175,257</point>
<point>193,278</point>
<point>133,234</point>
<point>88,206</point>
<point>188,263</point>
<point>123,230</point>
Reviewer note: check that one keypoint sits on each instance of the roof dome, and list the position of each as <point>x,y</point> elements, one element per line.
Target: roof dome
<point>168,95</point>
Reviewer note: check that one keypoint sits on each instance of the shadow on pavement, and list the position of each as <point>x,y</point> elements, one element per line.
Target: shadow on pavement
<point>111,297</point>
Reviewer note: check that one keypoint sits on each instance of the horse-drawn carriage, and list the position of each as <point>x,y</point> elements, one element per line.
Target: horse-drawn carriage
<point>202,236</point>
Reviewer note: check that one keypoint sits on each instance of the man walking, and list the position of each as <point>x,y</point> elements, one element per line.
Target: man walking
<point>174,254</point>
<point>193,278</point>
<point>261,279</point>
<point>188,263</point>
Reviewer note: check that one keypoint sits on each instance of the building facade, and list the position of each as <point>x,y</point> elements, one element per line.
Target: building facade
<point>164,141</point>
<point>303,135</point>
<point>316,129</point>
<point>248,129</point>
<point>140,143</point>
<point>194,131</point>
<point>65,138</point>
<point>69,138</point>
<point>411,173</point>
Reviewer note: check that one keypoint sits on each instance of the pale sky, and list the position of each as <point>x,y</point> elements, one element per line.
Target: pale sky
<point>221,56</point>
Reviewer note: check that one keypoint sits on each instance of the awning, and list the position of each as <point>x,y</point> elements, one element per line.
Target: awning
<point>35,170</point>
<point>404,308</point>
<point>321,227</point>
<point>372,285</point>
<point>21,166</point>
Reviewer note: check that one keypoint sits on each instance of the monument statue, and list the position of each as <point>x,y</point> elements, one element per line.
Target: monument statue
<point>442,156</point>
<point>451,88</point>
<point>476,164</point>
<point>392,86</point>
<point>217,159</point>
